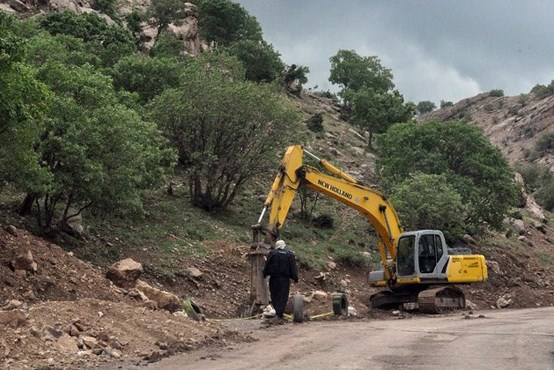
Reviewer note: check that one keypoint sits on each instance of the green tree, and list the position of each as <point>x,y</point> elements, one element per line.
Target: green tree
<point>376,112</point>
<point>261,62</point>
<point>62,48</point>
<point>472,165</point>
<point>107,7</point>
<point>165,12</point>
<point>169,45</point>
<point>225,22</point>
<point>425,106</point>
<point>98,152</point>
<point>226,131</point>
<point>110,42</point>
<point>23,105</point>
<point>146,76</point>
<point>315,122</point>
<point>545,144</point>
<point>446,104</point>
<point>296,75</point>
<point>429,202</point>
<point>353,72</point>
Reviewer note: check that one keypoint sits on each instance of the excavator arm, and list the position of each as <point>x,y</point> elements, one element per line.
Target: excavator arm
<point>337,185</point>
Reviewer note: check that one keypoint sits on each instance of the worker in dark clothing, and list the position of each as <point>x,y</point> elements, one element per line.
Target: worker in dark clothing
<point>281,268</point>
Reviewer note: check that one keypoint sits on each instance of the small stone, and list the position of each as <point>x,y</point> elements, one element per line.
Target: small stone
<point>90,342</point>
<point>395,313</point>
<point>194,272</point>
<point>153,356</point>
<point>504,301</point>
<point>13,304</point>
<point>67,344</point>
<point>331,265</point>
<point>470,305</point>
<point>319,294</point>
<point>29,295</point>
<point>73,331</point>
<point>24,261</point>
<point>12,230</point>
<point>56,333</point>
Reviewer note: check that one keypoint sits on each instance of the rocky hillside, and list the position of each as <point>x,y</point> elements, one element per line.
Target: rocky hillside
<point>513,123</point>
<point>187,31</point>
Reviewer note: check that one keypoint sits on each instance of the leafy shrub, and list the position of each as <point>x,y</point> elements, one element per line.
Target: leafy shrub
<point>496,92</point>
<point>295,77</point>
<point>111,42</point>
<point>540,182</point>
<point>323,221</point>
<point>169,45</point>
<point>513,110</point>
<point>545,195</point>
<point>134,20</point>
<point>315,122</point>
<point>429,202</point>
<point>542,91</point>
<point>545,144</point>
<point>260,60</point>
<point>516,214</point>
<point>425,107</point>
<point>523,99</point>
<point>446,104</point>
<point>533,175</point>
<point>107,7</point>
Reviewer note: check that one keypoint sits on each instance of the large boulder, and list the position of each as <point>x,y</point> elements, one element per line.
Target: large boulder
<point>164,300</point>
<point>125,273</point>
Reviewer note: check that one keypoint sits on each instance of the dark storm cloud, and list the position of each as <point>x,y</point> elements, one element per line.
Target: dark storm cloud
<point>437,49</point>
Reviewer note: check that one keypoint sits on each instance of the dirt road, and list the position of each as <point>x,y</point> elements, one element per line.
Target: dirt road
<point>511,339</point>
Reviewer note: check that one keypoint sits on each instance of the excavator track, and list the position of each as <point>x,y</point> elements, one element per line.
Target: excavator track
<point>437,300</point>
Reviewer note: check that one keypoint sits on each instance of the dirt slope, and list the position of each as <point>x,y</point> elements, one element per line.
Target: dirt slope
<point>68,314</point>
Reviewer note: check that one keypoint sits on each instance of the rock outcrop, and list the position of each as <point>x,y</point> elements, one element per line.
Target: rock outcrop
<point>187,30</point>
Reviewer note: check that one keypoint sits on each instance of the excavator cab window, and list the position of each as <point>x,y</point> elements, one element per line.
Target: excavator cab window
<point>428,253</point>
<point>405,256</point>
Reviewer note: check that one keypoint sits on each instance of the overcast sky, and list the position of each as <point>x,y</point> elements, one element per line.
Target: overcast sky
<point>437,49</point>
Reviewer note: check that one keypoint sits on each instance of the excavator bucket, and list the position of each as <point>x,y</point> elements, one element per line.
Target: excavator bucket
<point>259,248</point>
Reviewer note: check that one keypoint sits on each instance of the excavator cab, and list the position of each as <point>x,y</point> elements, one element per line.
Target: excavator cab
<point>421,256</point>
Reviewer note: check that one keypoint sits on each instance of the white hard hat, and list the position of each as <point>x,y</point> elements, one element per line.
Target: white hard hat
<point>280,244</point>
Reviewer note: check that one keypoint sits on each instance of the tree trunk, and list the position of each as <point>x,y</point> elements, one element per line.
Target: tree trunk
<point>26,206</point>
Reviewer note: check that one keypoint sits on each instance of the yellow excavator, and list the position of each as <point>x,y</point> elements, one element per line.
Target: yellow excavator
<point>418,266</point>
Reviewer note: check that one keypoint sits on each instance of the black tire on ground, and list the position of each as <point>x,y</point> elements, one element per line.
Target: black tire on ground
<point>196,307</point>
<point>340,304</point>
<point>298,308</point>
